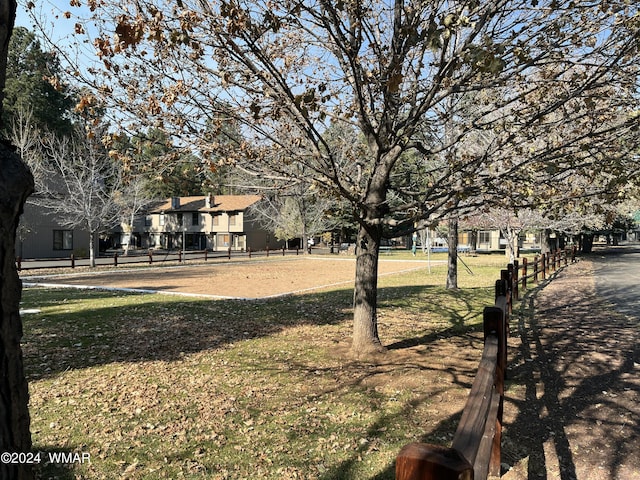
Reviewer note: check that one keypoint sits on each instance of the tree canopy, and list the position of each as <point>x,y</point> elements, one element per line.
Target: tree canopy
<point>553,88</point>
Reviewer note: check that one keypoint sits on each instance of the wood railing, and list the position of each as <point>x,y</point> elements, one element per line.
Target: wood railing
<point>475,449</point>
<point>532,271</point>
<point>151,257</point>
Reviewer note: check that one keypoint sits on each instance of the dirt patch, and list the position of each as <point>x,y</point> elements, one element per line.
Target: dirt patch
<point>247,279</point>
<point>573,402</point>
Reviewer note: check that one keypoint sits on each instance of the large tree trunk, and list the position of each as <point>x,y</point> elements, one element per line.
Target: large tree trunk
<point>365,297</point>
<point>586,242</point>
<point>474,241</point>
<point>452,242</point>
<point>16,183</point>
<point>365,319</point>
<point>548,243</point>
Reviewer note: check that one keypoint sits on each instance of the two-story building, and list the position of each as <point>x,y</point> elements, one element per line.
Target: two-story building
<point>207,222</point>
<point>41,235</point>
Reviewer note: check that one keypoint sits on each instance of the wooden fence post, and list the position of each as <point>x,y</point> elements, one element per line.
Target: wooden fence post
<point>179,256</point>
<point>19,263</point>
<point>495,322</point>
<point>229,253</point>
<point>150,256</point>
<point>267,250</point>
<point>73,261</point>
<point>543,259</point>
<point>206,254</point>
<point>422,461</point>
<point>249,250</point>
<point>510,283</point>
<point>476,446</point>
<point>524,273</point>
<point>502,290</point>
<point>283,250</point>
<point>515,280</point>
<point>115,259</point>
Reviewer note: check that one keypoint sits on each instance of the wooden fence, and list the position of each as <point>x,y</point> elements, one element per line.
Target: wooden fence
<point>475,449</point>
<point>149,257</point>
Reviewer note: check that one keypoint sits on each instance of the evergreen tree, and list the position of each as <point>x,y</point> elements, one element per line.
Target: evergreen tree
<point>32,85</point>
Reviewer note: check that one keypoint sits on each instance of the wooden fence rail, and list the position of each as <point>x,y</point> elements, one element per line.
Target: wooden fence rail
<point>475,449</point>
<point>149,257</point>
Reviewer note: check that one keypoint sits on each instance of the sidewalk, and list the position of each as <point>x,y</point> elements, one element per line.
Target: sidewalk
<point>572,405</point>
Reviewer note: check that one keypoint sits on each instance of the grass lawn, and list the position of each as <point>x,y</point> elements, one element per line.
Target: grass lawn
<point>155,386</point>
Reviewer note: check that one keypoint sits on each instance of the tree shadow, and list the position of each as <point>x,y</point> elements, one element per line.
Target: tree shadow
<point>126,327</point>
<point>71,333</point>
<point>576,360</point>
<point>344,470</point>
<point>129,327</point>
<point>441,434</point>
<point>52,466</point>
<point>458,308</point>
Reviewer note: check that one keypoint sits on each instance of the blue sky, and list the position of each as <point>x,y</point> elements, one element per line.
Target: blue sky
<point>50,13</point>
<point>22,20</point>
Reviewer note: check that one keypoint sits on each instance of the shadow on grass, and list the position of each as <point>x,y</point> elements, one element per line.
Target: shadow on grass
<point>461,308</point>
<point>79,329</point>
<point>58,464</point>
<point>76,330</point>
<point>440,435</point>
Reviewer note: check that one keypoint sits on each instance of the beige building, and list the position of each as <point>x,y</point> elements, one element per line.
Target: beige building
<point>208,222</point>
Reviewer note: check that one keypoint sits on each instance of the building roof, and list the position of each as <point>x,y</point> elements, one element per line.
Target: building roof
<point>217,203</point>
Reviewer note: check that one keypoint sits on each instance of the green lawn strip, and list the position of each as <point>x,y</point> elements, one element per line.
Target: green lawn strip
<point>162,387</point>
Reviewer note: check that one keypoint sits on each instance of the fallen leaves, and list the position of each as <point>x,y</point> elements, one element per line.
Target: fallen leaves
<point>159,387</point>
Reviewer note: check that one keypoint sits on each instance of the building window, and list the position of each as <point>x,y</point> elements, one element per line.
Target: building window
<point>195,218</point>
<point>223,240</point>
<point>162,219</point>
<point>232,218</point>
<point>484,237</point>
<point>63,239</point>
<point>148,221</point>
<point>179,219</point>
<point>216,220</point>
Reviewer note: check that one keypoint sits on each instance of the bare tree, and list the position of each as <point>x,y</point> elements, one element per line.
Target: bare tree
<point>295,215</point>
<point>131,200</point>
<point>81,186</point>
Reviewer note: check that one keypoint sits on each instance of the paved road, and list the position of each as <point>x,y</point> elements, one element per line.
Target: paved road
<point>617,273</point>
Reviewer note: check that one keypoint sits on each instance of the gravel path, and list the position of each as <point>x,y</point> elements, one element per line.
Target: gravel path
<point>572,407</point>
